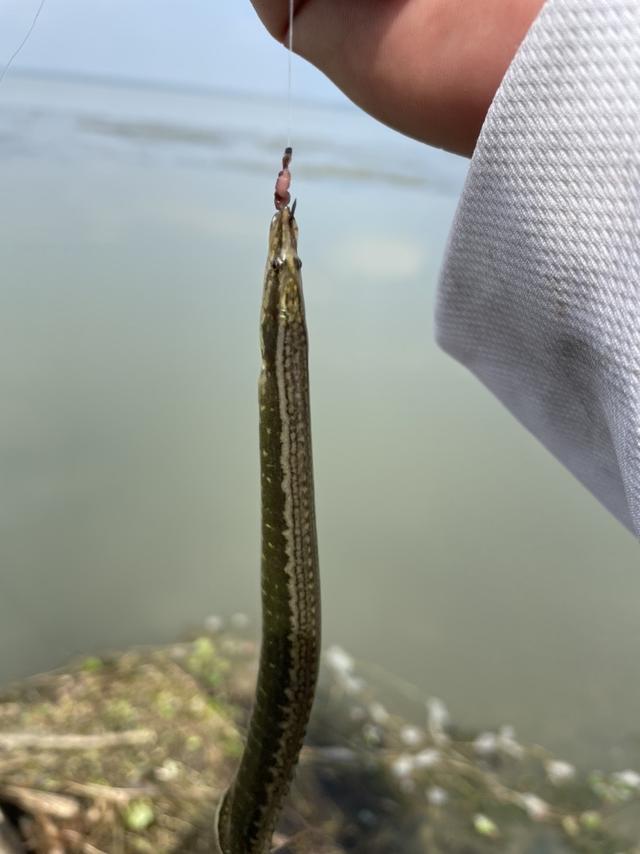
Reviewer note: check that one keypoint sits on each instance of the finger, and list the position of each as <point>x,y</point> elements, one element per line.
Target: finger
<point>274,14</point>
<point>428,68</point>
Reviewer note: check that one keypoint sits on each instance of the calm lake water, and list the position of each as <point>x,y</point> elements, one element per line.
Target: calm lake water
<point>456,553</point>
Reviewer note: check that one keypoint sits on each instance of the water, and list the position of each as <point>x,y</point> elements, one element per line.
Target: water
<point>455,552</point>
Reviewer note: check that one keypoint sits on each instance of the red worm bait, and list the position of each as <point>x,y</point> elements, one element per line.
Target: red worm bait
<point>282,196</point>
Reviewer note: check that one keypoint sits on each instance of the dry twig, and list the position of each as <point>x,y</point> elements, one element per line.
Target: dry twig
<point>54,741</point>
<point>41,803</point>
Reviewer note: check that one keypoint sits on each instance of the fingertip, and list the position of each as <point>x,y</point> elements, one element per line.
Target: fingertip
<point>274,14</point>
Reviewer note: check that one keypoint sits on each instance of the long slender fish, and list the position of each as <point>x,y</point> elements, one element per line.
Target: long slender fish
<point>289,658</point>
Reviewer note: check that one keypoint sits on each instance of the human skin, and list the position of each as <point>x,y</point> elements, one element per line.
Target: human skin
<point>428,68</point>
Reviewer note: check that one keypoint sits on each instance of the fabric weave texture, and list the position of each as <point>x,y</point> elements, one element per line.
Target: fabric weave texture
<point>540,291</point>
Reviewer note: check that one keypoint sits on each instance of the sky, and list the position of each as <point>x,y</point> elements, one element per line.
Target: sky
<point>199,42</point>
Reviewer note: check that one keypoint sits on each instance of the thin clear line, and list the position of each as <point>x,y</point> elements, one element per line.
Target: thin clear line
<point>24,40</point>
<point>289,109</point>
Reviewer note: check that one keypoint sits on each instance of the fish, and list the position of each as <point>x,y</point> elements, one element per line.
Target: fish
<point>290,580</point>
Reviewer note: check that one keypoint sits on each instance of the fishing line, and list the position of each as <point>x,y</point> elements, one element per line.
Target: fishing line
<point>289,107</point>
<point>23,42</point>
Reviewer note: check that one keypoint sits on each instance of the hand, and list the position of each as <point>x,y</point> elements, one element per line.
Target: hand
<point>428,68</point>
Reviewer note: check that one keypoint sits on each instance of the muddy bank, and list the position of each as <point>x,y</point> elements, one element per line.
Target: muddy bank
<point>130,751</point>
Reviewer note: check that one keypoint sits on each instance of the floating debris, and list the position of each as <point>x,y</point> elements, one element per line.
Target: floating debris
<point>486,744</point>
<point>412,736</point>
<point>485,826</point>
<point>437,796</point>
<point>378,713</point>
<point>628,778</point>
<point>403,765</point>
<point>339,660</point>
<point>427,758</point>
<point>213,624</point>
<point>559,772</point>
<point>437,719</point>
<point>535,807</point>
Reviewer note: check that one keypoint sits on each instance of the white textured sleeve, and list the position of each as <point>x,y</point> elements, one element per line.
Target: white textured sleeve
<point>540,291</point>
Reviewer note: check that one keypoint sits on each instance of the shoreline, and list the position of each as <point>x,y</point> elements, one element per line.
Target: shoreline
<point>129,752</point>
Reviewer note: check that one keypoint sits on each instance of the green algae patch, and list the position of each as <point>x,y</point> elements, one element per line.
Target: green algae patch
<point>138,815</point>
<point>92,663</point>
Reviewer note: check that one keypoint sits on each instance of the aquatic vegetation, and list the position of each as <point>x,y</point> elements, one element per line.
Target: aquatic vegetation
<point>131,756</point>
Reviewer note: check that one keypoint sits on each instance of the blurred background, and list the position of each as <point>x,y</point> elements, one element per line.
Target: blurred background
<point>139,145</point>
